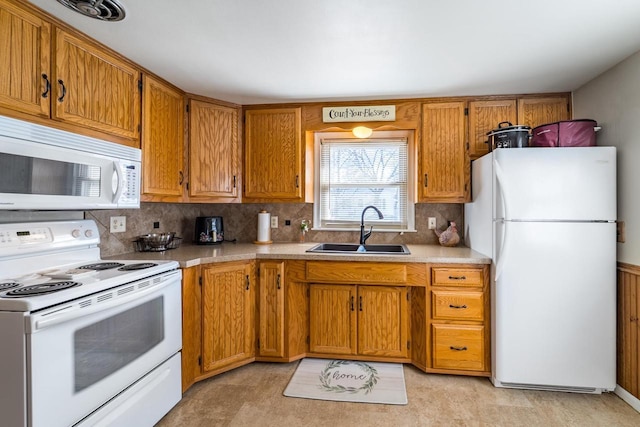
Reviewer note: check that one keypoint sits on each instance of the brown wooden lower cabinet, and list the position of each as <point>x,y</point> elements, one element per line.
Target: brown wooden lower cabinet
<point>628,363</point>
<point>218,311</point>
<point>358,320</point>
<point>459,324</point>
<point>433,316</point>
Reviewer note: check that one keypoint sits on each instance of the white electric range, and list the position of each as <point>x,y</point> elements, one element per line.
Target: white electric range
<point>84,341</point>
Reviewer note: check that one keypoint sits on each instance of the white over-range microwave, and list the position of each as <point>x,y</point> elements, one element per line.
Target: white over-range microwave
<point>43,168</point>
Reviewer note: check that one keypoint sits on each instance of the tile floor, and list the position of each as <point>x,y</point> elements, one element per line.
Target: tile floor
<point>252,396</point>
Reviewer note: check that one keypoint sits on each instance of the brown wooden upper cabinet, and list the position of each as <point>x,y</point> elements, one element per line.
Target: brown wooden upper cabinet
<point>25,63</point>
<point>162,141</point>
<point>77,83</point>
<point>444,162</point>
<point>484,116</point>
<point>95,89</point>
<point>538,111</point>
<point>214,151</point>
<point>273,164</point>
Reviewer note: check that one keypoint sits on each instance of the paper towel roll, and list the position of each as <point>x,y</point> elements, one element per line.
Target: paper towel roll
<point>264,227</point>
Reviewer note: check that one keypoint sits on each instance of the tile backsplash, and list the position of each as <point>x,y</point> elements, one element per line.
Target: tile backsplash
<point>241,222</point>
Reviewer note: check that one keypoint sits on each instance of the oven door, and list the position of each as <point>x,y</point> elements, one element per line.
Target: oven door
<point>82,354</point>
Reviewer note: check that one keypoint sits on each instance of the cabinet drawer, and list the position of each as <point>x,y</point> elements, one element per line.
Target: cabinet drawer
<point>356,272</point>
<point>456,276</point>
<point>457,305</point>
<point>458,347</point>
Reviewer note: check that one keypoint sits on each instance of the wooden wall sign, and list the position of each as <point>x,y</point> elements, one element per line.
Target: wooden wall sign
<point>367,113</point>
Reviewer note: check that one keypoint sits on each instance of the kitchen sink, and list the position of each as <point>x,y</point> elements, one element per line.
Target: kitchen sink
<point>350,248</point>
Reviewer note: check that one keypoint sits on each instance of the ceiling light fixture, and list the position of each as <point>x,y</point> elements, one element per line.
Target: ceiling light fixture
<point>362,132</point>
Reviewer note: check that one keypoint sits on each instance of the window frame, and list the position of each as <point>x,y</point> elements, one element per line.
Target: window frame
<point>379,226</point>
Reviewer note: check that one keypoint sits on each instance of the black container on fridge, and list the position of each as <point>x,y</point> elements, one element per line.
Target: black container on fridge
<point>209,230</point>
<point>507,135</point>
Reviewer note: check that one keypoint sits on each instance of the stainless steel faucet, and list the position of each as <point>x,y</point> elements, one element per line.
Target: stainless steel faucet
<point>364,236</point>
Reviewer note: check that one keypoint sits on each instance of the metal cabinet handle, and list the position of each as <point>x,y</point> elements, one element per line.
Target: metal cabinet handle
<point>64,90</point>
<point>248,282</point>
<point>426,179</point>
<point>278,282</point>
<point>47,86</point>
<point>351,302</point>
<point>234,181</point>
<point>297,181</point>
<point>457,277</point>
<point>181,174</point>
<point>457,306</point>
<point>360,302</point>
<point>458,348</point>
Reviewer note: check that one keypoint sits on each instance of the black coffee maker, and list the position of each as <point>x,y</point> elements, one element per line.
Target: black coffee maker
<point>209,230</point>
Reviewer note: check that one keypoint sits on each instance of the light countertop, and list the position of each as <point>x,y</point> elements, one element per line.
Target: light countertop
<point>192,255</point>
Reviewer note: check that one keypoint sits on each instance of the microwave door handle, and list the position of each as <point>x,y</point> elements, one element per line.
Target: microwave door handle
<point>117,173</point>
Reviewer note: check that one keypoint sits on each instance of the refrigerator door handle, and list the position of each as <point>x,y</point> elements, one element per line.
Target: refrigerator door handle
<point>501,253</point>
<point>501,185</point>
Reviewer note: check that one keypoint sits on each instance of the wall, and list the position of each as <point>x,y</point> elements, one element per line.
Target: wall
<point>613,99</point>
<point>240,223</point>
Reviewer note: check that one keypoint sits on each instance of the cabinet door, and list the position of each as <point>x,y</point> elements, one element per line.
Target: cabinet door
<point>273,154</point>
<point>191,327</point>
<point>214,166</point>
<point>484,116</point>
<point>539,111</point>
<point>162,139</point>
<point>383,328</point>
<point>444,160</point>
<point>227,311</point>
<point>332,319</point>
<point>95,89</point>
<point>24,60</point>
<point>271,301</point>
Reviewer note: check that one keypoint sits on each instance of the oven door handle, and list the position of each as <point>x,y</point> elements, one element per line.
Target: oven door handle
<point>76,311</point>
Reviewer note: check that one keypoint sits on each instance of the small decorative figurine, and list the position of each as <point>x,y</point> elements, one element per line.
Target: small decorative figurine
<point>450,236</point>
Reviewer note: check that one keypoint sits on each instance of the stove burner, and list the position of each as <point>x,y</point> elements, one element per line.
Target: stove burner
<point>43,288</point>
<point>101,266</point>
<point>7,285</point>
<point>139,266</point>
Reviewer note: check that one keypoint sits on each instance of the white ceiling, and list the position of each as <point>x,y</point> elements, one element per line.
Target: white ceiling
<point>257,51</point>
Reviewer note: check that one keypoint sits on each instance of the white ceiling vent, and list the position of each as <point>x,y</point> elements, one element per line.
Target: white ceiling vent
<point>105,10</point>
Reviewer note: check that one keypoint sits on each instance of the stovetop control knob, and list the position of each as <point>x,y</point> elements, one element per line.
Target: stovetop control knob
<point>88,233</point>
<point>75,233</point>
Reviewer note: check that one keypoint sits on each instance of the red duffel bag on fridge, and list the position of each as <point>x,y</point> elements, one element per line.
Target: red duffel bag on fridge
<point>567,133</point>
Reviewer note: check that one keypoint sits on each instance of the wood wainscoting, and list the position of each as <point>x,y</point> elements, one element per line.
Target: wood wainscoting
<point>628,363</point>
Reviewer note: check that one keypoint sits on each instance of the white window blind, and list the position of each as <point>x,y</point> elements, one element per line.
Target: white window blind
<point>355,173</point>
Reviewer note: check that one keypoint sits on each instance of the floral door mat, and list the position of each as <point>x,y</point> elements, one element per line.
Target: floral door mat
<point>348,381</point>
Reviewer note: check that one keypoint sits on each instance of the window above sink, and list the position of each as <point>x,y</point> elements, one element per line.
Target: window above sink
<point>351,173</point>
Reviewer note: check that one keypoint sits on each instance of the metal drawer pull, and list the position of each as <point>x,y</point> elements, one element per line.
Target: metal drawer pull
<point>458,348</point>
<point>457,277</point>
<point>351,302</point>
<point>457,306</point>
<point>248,282</point>
<point>278,282</point>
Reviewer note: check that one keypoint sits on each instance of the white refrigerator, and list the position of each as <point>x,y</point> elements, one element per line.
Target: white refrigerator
<point>546,216</point>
